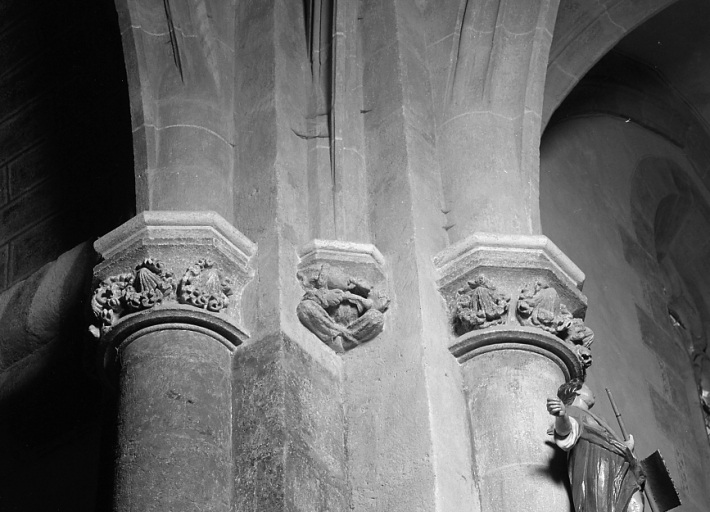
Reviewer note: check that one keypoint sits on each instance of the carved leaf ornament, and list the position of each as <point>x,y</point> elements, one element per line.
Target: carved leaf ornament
<point>203,287</point>
<point>151,284</point>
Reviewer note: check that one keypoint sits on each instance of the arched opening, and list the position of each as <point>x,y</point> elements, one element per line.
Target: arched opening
<point>624,190</point>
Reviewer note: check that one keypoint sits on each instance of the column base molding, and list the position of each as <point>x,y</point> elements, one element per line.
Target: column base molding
<point>527,339</point>
<point>163,318</point>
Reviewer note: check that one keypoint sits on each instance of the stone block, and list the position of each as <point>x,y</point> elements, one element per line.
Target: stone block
<point>25,128</point>
<point>28,169</point>
<point>25,211</point>
<point>438,64</point>
<point>666,415</point>
<point>379,26</point>
<point>382,84</point>
<point>4,260</point>
<point>290,452</point>
<point>40,244</point>
<point>440,19</point>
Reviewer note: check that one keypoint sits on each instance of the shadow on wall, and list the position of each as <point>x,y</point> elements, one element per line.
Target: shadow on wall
<point>66,157</point>
<point>668,217</point>
<point>66,175</point>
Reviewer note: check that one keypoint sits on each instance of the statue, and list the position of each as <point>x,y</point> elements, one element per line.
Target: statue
<point>341,310</point>
<point>604,473</point>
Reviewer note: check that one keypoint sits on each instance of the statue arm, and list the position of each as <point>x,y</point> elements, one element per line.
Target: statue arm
<point>567,429</point>
<point>568,440</point>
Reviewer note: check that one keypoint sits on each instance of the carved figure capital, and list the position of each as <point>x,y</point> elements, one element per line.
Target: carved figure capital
<point>340,304</point>
<point>342,310</point>
<point>479,305</point>
<point>513,282</point>
<point>539,306</point>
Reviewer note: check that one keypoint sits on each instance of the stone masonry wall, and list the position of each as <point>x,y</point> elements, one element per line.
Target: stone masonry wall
<point>65,144</point>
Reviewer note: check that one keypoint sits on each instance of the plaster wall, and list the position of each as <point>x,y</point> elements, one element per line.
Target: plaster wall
<point>591,172</point>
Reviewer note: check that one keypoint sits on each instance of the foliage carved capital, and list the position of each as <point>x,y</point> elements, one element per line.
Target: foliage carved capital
<point>514,282</point>
<point>186,261</point>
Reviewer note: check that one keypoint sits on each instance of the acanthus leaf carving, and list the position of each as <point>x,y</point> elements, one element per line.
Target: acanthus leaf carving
<point>148,285</point>
<point>341,310</point>
<point>479,305</point>
<point>204,287</point>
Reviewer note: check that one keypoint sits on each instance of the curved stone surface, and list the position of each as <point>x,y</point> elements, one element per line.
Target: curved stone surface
<point>34,312</point>
<point>584,32</point>
<point>171,317</point>
<point>525,339</point>
<point>505,395</point>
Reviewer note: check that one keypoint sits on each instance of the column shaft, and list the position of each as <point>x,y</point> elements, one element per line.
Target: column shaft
<point>174,423</point>
<point>489,126</point>
<point>508,421</point>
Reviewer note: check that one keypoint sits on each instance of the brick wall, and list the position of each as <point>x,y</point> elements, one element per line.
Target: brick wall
<point>65,137</point>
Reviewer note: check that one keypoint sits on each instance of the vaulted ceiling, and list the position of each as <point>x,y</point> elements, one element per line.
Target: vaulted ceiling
<point>676,44</point>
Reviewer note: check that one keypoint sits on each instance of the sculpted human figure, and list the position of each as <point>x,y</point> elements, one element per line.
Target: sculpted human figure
<point>604,473</point>
<point>341,310</point>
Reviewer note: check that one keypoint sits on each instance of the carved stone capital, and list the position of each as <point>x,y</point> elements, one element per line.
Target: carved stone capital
<point>171,268</point>
<point>503,283</point>
<point>344,301</point>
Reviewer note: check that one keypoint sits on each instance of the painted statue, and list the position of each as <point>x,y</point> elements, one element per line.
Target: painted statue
<point>604,473</point>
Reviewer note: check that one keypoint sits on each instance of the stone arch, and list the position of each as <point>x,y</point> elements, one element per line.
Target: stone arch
<point>584,33</point>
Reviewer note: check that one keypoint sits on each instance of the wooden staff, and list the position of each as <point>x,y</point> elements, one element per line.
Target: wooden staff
<point>622,427</point>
